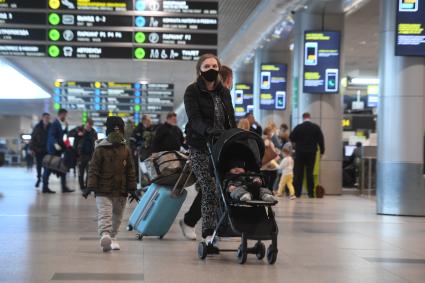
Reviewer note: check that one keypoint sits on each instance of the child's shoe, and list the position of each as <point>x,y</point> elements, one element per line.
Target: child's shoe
<point>105,242</point>
<point>279,195</point>
<point>268,198</point>
<point>114,245</point>
<point>292,197</point>
<point>246,197</point>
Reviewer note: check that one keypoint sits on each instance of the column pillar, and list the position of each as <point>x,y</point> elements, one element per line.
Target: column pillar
<point>400,167</point>
<point>325,109</point>
<point>256,83</point>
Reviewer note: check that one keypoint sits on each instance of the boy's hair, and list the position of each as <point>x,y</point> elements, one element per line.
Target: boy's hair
<point>286,150</point>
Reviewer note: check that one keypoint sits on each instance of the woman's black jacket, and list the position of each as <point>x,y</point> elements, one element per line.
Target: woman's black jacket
<point>199,106</point>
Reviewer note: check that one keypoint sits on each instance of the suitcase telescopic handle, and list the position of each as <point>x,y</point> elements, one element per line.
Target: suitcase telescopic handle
<point>178,188</point>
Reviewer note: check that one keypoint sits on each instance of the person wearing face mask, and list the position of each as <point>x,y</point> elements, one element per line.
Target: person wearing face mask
<point>209,110</point>
<point>112,178</point>
<point>56,146</point>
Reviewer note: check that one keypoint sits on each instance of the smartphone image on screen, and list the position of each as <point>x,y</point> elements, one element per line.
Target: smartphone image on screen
<point>265,80</point>
<point>239,96</point>
<point>408,5</point>
<point>311,53</point>
<point>280,100</point>
<point>331,80</point>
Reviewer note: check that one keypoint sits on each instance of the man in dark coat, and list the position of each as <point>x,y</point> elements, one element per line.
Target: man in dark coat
<point>85,137</point>
<point>168,136</point>
<point>56,146</point>
<point>307,137</point>
<point>38,144</point>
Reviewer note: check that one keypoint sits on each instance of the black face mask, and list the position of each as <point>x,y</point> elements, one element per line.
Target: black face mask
<point>210,75</point>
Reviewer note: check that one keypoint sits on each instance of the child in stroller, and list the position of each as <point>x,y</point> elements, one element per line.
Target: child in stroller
<point>243,185</point>
<point>250,220</point>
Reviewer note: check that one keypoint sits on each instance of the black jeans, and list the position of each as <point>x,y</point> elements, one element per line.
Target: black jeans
<point>304,160</point>
<point>39,160</point>
<point>193,215</point>
<point>83,162</point>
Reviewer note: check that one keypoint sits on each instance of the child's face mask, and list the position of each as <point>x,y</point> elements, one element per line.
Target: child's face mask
<point>115,137</point>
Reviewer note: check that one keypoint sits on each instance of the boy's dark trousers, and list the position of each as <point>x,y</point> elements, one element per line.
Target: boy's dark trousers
<point>304,160</point>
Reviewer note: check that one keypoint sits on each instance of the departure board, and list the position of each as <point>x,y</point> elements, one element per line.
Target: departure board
<point>114,29</point>
<point>273,86</point>
<point>321,61</point>
<point>114,97</point>
<point>243,99</point>
<point>410,28</point>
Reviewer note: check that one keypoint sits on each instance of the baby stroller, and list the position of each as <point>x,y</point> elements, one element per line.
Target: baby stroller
<point>253,220</point>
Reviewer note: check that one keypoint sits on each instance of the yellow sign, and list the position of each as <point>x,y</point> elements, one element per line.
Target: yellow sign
<point>54,4</point>
<point>346,123</point>
<point>97,84</point>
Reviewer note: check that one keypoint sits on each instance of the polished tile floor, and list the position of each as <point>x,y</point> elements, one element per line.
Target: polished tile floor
<point>52,238</point>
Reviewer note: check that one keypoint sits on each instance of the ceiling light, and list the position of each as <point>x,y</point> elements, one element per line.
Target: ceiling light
<point>364,81</point>
<point>14,85</point>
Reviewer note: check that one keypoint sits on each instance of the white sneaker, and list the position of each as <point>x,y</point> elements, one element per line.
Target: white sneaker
<point>188,232</point>
<point>246,197</point>
<point>105,242</point>
<point>114,245</point>
<point>292,197</point>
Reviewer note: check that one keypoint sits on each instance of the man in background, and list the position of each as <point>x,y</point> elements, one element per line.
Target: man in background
<point>38,144</point>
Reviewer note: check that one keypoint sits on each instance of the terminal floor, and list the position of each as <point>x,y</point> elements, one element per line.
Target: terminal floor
<point>52,238</point>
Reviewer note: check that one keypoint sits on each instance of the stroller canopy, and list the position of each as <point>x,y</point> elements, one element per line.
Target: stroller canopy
<point>238,144</point>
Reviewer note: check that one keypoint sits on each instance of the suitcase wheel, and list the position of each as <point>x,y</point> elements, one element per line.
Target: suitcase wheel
<point>129,227</point>
<point>139,237</point>
<point>161,237</point>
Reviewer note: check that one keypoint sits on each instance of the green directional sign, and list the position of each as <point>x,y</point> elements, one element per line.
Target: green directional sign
<point>54,19</point>
<point>54,35</point>
<point>139,53</point>
<point>54,51</point>
<point>137,108</point>
<point>140,37</point>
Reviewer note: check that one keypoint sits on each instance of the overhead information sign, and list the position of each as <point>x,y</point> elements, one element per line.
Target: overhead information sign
<point>273,86</point>
<point>410,28</point>
<point>321,61</point>
<point>30,50</point>
<point>114,29</point>
<point>97,5</point>
<point>243,99</point>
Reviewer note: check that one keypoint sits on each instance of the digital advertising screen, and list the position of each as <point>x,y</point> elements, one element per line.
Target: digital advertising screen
<point>243,99</point>
<point>273,86</point>
<point>410,28</point>
<point>321,62</point>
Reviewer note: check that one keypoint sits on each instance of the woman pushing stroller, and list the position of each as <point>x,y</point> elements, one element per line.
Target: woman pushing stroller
<point>209,108</point>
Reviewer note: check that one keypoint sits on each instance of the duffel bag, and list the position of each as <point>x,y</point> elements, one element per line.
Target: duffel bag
<point>54,163</point>
<point>165,167</point>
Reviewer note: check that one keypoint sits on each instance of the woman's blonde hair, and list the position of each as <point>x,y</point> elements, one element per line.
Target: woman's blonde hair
<point>268,130</point>
<point>272,125</point>
<point>244,124</point>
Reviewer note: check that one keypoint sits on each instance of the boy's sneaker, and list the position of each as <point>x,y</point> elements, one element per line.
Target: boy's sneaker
<point>246,197</point>
<point>269,198</point>
<point>292,197</point>
<point>105,242</point>
<point>188,232</point>
<point>114,245</point>
<point>279,195</point>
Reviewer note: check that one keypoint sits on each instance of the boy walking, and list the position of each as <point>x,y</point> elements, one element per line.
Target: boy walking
<point>112,177</point>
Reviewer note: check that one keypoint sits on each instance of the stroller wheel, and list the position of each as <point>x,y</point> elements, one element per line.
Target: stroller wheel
<point>242,254</point>
<point>271,254</point>
<point>260,250</point>
<point>202,250</point>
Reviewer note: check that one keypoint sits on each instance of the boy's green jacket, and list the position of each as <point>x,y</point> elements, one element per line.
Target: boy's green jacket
<point>111,169</point>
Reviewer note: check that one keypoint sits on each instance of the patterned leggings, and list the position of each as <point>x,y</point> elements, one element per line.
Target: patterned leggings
<point>200,167</point>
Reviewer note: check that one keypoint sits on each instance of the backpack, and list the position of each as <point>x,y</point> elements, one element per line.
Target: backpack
<point>320,191</point>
